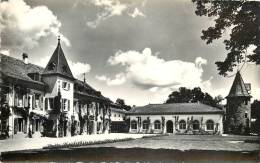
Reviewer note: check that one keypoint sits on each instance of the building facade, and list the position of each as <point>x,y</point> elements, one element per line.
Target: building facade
<point>176,118</point>
<point>49,101</point>
<point>119,122</point>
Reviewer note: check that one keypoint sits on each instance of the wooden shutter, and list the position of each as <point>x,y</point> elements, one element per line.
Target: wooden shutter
<point>33,101</point>
<point>41,102</point>
<point>68,105</point>
<point>46,103</point>
<point>15,99</point>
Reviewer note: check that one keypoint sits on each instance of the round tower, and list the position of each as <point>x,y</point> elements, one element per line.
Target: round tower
<point>238,110</point>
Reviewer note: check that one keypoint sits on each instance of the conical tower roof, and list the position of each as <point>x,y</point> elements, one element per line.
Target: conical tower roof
<point>238,88</point>
<point>58,64</point>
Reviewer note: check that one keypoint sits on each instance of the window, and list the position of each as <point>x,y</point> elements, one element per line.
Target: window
<point>51,103</point>
<point>34,76</point>
<point>133,125</point>
<point>145,125</point>
<point>37,100</point>
<point>66,86</point>
<point>210,125</point>
<point>246,115</point>
<point>51,66</point>
<point>196,125</point>
<point>182,125</point>
<point>64,104</point>
<point>64,68</point>
<point>157,125</point>
<point>20,100</point>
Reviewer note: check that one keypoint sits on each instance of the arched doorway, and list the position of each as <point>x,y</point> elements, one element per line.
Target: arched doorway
<point>169,126</point>
<point>196,125</point>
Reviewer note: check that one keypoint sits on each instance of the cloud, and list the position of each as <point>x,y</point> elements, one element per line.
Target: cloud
<point>77,68</point>
<point>101,77</point>
<point>112,8</point>
<point>136,13</point>
<point>5,52</point>
<point>256,93</point>
<point>149,71</point>
<point>22,26</point>
<point>118,80</point>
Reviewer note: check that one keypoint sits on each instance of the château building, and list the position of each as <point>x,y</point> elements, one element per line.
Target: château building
<point>49,101</point>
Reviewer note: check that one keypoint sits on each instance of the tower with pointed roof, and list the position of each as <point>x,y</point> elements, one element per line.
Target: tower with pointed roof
<point>238,111</point>
<point>60,92</point>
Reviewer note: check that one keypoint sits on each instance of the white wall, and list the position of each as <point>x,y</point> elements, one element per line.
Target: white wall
<point>217,118</point>
<point>117,115</point>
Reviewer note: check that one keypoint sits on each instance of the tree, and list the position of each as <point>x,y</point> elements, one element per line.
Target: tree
<point>255,114</point>
<point>243,19</point>
<point>4,111</point>
<point>218,99</point>
<point>185,95</point>
<point>121,102</point>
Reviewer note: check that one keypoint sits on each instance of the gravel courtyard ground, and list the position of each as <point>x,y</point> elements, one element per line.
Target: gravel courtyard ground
<point>188,142</point>
<point>24,143</point>
<point>179,148</point>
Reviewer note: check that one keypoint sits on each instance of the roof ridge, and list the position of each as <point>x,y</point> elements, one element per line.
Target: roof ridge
<point>17,59</point>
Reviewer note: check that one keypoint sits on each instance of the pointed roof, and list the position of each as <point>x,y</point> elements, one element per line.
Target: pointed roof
<point>58,64</point>
<point>238,88</point>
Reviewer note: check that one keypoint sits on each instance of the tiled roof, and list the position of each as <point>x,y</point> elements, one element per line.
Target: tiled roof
<point>175,108</point>
<point>118,110</point>
<point>84,84</point>
<point>89,91</point>
<point>60,64</point>
<point>238,88</point>
<point>17,69</point>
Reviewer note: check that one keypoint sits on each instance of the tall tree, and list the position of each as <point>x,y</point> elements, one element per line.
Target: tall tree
<point>255,114</point>
<point>185,95</point>
<point>121,102</point>
<point>243,19</point>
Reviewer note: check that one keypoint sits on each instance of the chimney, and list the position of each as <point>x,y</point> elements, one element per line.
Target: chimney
<point>25,58</point>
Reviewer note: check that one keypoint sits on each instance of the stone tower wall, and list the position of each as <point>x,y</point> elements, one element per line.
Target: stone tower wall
<point>238,115</point>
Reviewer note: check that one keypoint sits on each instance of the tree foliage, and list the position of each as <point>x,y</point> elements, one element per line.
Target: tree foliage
<point>121,102</point>
<point>185,95</point>
<point>255,114</point>
<point>241,17</point>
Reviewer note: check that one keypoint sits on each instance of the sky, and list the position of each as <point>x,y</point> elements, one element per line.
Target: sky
<point>137,50</point>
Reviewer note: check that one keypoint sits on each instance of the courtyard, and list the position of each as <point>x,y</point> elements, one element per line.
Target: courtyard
<point>190,142</point>
<point>142,147</point>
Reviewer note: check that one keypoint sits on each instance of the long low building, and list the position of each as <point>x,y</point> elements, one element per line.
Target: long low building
<point>178,118</point>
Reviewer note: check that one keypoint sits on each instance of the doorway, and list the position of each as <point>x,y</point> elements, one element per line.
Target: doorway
<point>20,125</point>
<point>169,126</point>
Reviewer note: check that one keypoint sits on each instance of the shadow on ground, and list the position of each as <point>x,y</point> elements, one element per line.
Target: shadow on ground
<point>129,154</point>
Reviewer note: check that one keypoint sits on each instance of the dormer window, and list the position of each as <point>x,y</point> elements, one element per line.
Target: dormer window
<point>51,66</point>
<point>64,68</point>
<point>34,76</point>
